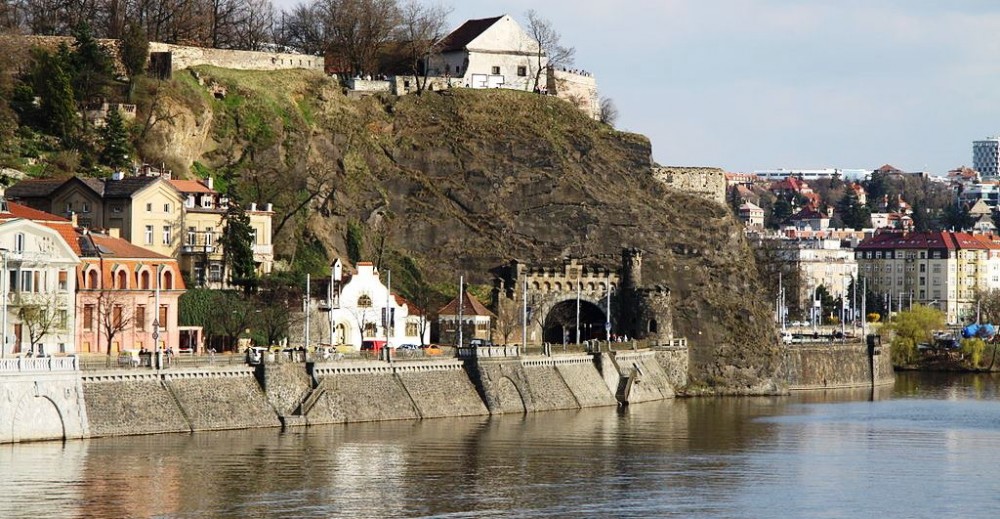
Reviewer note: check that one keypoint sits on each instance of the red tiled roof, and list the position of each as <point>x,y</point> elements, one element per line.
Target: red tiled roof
<point>888,168</point>
<point>929,240</point>
<point>68,234</point>
<point>410,307</point>
<point>808,213</point>
<point>470,306</point>
<point>120,248</point>
<point>16,210</point>
<point>190,186</point>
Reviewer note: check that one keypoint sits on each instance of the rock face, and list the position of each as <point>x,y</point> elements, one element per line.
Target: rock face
<point>463,181</point>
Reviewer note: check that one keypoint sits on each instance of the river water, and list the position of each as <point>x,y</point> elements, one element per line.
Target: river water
<point>928,447</point>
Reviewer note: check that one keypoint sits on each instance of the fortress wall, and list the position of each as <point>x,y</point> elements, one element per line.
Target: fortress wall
<point>221,399</point>
<point>441,389</point>
<point>708,183</point>
<point>130,404</point>
<point>360,392</point>
<point>185,57</point>
<point>835,365</point>
<point>579,89</point>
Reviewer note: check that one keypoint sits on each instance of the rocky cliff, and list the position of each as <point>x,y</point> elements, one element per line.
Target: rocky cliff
<point>462,181</point>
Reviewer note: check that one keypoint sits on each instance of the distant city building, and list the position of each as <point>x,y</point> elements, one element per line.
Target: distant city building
<point>941,269</point>
<point>811,263</point>
<point>814,174</point>
<point>364,311</point>
<point>986,156</point>
<point>752,215</point>
<point>476,320</point>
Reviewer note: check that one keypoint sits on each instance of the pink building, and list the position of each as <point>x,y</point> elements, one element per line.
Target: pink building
<point>117,296</point>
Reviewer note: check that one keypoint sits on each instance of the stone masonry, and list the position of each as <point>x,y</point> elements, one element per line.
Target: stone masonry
<point>708,183</point>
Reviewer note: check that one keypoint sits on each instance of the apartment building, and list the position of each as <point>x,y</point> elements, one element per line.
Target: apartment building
<point>941,269</point>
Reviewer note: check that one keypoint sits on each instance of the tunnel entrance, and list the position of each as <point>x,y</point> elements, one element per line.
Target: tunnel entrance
<point>560,323</point>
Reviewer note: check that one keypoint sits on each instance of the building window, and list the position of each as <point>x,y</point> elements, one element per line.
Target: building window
<point>149,207</point>
<point>412,330</point>
<point>149,235</point>
<point>495,71</point>
<point>522,71</point>
<point>168,280</point>
<point>166,235</point>
<point>189,201</point>
<point>144,280</point>
<point>62,319</point>
<point>253,236</point>
<point>86,207</point>
<point>92,279</point>
<point>370,330</point>
<point>191,235</point>
<point>209,236</point>
<point>117,317</point>
<point>121,280</point>
<point>215,273</point>
<point>140,318</point>
<point>365,301</point>
<point>163,317</point>
<point>69,207</point>
<point>19,242</point>
<point>63,280</point>
<point>116,209</point>
<point>166,208</point>
<point>88,317</point>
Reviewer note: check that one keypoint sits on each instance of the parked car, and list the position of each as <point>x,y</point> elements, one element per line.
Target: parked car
<point>432,349</point>
<point>375,346</point>
<point>128,358</point>
<point>409,347</point>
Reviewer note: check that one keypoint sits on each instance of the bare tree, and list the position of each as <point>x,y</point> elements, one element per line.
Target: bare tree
<point>549,46</point>
<point>356,31</point>
<point>420,28</point>
<point>39,316</point>
<point>608,112</point>
<point>114,314</point>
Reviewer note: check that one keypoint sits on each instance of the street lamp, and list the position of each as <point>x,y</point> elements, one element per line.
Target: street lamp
<point>3,303</point>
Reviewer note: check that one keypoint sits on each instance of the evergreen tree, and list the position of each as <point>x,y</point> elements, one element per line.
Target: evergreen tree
<point>957,217</point>
<point>781,211</point>
<point>852,213</point>
<point>134,52</point>
<point>237,243</point>
<point>52,84</point>
<point>92,66</point>
<point>114,137</point>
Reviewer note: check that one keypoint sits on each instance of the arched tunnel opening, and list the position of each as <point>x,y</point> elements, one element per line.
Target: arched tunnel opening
<point>560,323</point>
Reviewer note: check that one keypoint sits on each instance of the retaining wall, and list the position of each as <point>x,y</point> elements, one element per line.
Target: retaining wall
<point>836,365</point>
<point>120,404</point>
<point>674,363</point>
<point>221,399</point>
<point>286,385</point>
<point>441,389</point>
<point>650,381</point>
<point>359,392</point>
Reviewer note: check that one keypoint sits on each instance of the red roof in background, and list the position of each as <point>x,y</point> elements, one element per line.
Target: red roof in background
<point>930,240</point>
<point>68,234</point>
<point>121,248</point>
<point>888,168</point>
<point>16,210</point>
<point>470,306</point>
<point>410,308</point>
<point>190,186</point>
<point>808,213</point>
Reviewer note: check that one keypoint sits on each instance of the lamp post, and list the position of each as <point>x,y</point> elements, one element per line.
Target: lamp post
<point>3,303</point>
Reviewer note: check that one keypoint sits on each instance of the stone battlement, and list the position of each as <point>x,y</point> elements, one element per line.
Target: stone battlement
<point>708,183</point>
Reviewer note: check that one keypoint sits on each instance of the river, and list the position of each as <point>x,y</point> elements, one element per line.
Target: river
<point>928,447</point>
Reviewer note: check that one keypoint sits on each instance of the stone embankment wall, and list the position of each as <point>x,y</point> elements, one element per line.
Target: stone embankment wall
<point>41,399</point>
<point>441,389</point>
<point>286,385</point>
<point>359,392</point>
<point>836,365</point>
<point>648,380</point>
<point>181,400</point>
<point>674,363</point>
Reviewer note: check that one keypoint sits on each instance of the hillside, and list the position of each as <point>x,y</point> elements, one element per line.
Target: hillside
<point>461,182</point>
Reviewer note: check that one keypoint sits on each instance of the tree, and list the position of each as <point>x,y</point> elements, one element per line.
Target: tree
<point>38,315</point>
<point>957,217</point>
<point>134,52</point>
<point>420,28</point>
<point>355,31</point>
<point>114,315</point>
<point>852,213</point>
<point>549,45</point>
<point>913,327</point>
<point>50,80</point>
<point>115,144</point>
<point>91,66</point>
<point>608,112</point>
<point>237,246</point>
<point>781,211</point>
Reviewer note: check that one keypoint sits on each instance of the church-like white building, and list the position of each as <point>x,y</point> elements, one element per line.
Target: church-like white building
<point>359,310</point>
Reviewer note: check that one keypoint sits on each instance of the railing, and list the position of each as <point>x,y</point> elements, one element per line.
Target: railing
<point>104,362</point>
<point>38,364</point>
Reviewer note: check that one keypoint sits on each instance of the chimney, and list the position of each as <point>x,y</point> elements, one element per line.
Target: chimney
<point>210,183</point>
<point>73,220</point>
<point>269,208</point>
<point>114,232</point>
<point>253,206</point>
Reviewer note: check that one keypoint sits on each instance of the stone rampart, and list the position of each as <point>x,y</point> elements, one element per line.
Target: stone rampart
<point>576,88</point>
<point>221,399</point>
<point>708,183</point>
<point>836,365</point>
<point>674,362</point>
<point>182,57</point>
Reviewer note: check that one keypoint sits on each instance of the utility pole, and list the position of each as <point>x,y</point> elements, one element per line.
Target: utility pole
<point>524,317</point>
<point>578,286</point>
<point>305,307</point>
<point>461,303</point>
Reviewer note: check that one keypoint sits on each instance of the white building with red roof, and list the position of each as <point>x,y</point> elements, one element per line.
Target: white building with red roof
<point>941,269</point>
<point>364,311</point>
<point>38,282</point>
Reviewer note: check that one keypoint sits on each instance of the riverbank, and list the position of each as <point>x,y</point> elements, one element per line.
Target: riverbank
<point>51,398</point>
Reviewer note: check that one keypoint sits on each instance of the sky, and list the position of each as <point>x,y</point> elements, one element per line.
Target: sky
<point>760,84</point>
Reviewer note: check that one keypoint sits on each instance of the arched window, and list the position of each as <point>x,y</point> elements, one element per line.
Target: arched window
<point>536,286</point>
<point>652,326</point>
<point>546,287</point>
<point>365,301</point>
<point>590,287</point>
<point>92,278</point>
<point>341,334</point>
<point>558,286</point>
<point>121,279</point>
<point>168,280</point>
<point>144,280</point>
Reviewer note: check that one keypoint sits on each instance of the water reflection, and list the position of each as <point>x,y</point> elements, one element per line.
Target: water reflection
<point>921,449</point>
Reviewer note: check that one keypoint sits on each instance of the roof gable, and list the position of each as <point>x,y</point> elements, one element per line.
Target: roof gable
<point>57,232</point>
<point>470,307</point>
<point>460,38</point>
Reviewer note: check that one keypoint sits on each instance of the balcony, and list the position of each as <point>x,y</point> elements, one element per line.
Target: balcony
<point>197,249</point>
<point>264,250</point>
